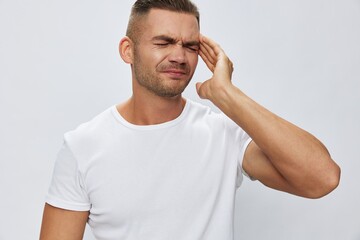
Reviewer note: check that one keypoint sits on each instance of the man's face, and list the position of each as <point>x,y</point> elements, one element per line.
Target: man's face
<point>166,52</point>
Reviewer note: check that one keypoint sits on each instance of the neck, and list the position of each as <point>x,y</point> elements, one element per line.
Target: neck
<point>142,110</point>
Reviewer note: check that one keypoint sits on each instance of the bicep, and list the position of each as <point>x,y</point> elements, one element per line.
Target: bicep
<point>63,224</point>
<point>257,165</point>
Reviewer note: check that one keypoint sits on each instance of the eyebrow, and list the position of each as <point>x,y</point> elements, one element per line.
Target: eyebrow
<point>192,44</point>
<point>164,38</point>
<point>173,41</point>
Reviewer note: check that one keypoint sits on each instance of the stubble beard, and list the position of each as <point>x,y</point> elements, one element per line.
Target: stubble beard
<point>152,81</point>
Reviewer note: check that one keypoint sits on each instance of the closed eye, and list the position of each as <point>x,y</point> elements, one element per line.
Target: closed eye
<point>193,48</point>
<point>161,44</point>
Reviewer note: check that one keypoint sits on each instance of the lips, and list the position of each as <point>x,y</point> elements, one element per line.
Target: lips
<point>175,73</point>
<point>174,68</point>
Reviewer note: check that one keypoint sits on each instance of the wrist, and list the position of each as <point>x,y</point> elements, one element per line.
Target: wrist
<point>222,95</point>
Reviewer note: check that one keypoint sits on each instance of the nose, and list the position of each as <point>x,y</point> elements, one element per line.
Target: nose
<point>177,54</point>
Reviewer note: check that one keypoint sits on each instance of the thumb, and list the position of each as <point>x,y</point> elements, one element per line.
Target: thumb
<point>198,89</point>
<point>203,89</point>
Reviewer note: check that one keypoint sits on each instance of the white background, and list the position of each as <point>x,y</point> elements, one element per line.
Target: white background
<point>59,67</point>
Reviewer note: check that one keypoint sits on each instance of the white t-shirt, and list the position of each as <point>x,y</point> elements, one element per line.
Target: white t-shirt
<point>175,180</point>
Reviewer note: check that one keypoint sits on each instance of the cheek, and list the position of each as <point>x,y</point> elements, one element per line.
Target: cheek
<point>157,57</point>
<point>193,60</point>
<point>150,56</point>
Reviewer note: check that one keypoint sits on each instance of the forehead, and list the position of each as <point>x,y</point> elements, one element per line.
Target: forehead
<point>181,26</point>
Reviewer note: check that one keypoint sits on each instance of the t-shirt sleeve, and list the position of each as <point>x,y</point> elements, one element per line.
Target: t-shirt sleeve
<point>67,190</point>
<point>242,140</point>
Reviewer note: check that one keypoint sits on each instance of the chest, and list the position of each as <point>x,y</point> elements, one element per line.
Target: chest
<point>144,180</point>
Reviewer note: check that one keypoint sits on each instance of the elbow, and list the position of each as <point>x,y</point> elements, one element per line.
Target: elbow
<point>329,182</point>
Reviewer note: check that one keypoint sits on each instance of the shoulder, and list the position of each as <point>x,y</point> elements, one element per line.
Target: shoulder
<point>201,111</point>
<point>216,119</point>
<point>210,114</point>
<point>90,133</point>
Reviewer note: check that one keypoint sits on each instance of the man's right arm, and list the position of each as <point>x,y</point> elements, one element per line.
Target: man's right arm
<point>61,224</point>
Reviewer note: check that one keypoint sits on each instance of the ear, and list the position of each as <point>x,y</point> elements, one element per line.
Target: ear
<point>126,50</point>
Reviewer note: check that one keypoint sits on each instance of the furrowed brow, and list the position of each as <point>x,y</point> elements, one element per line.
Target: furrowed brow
<point>164,38</point>
<point>171,40</point>
<point>191,44</point>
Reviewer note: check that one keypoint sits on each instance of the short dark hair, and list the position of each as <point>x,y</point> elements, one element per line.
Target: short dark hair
<point>142,8</point>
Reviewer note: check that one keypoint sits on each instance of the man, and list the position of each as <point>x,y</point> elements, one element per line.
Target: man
<point>160,166</point>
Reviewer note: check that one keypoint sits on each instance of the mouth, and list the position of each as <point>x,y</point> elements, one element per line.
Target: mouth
<point>175,73</point>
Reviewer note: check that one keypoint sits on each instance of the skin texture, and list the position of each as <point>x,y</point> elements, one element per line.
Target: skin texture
<point>281,155</point>
<point>161,54</point>
<point>60,224</point>
<point>168,41</point>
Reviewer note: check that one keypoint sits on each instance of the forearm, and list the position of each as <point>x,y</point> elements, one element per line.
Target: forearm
<point>282,156</point>
<point>298,156</point>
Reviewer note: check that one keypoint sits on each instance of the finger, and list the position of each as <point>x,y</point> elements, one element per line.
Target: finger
<point>201,89</point>
<point>208,54</point>
<point>198,87</point>
<point>208,63</point>
<point>213,51</point>
<point>208,51</point>
<point>210,44</point>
